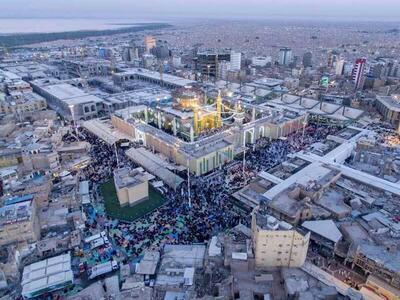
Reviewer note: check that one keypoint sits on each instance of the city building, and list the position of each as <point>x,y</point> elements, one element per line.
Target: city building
<point>46,276</point>
<point>149,43</point>
<point>261,61</point>
<point>358,73</point>
<point>177,61</point>
<point>161,51</point>
<point>276,243</point>
<point>70,102</point>
<point>27,102</point>
<point>87,68</point>
<point>131,185</point>
<point>285,56</point>
<point>235,60</point>
<point>307,60</point>
<point>19,221</point>
<point>389,107</point>
<point>332,58</point>
<point>207,62</point>
<point>151,77</point>
<point>339,69</point>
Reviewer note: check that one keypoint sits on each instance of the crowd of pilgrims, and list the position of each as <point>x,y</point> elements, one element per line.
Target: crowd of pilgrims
<point>183,219</point>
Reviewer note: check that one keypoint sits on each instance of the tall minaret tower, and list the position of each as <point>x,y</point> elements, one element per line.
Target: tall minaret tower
<point>196,120</point>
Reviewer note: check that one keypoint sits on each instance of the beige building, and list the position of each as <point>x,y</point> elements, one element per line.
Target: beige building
<point>28,102</point>
<point>18,221</point>
<point>150,43</point>
<point>389,107</point>
<point>382,288</point>
<point>37,160</point>
<point>277,243</point>
<point>131,185</point>
<point>201,157</point>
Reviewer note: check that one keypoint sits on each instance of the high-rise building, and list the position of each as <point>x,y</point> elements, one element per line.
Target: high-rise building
<point>236,60</point>
<point>223,68</point>
<point>332,57</point>
<point>339,69</point>
<point>285,56</point>
<point>376,69</point>
<point>307,60</point>
<point>276,243</point>
<point>161,51</point>
<point>149,43</point>
<point>207,62</point>
<point>358,73</point>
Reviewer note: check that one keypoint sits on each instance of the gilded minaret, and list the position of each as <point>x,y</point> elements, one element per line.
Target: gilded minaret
<point>219,110</point>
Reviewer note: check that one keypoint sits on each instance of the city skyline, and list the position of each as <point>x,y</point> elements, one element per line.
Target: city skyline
<point>387,10</point>
<point>197,150</point>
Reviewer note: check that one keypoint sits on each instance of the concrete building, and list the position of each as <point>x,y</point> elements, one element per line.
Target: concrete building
<point>339,69</point>
<point>71,103</point>
<point>207,62</point>
<point>41,157</point>
<point>152,77</point>
<point>307,60</point>
<point>132,186</point>
<point>149,43</point>
<point>389,107</point>
<point>18,221</point>
<point>27,102</point>
<point>358,73</point>
<point>285,56</point>
<point>261,61</point>
<point>235,60</point>
<point>276,243</point>
<point>87,68</point>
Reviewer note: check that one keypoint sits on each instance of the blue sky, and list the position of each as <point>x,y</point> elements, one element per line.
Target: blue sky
<point>346,9</point>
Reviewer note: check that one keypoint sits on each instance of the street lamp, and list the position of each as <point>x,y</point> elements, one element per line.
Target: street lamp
<point>71,107</point>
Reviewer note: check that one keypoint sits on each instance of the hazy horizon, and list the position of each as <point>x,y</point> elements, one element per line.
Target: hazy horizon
<point>385,10</point>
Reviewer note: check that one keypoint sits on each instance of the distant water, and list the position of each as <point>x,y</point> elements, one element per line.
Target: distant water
<point>10,26</point>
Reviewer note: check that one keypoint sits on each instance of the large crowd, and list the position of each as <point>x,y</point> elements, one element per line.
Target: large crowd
<point>180,220</point>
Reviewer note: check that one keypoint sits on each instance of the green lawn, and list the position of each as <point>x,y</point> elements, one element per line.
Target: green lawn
<point>128,213</point>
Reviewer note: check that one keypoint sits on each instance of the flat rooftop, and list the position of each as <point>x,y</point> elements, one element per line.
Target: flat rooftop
<point>16,212</point>
<point>391,102</point>
<point>63,91</point>
<point>268,222</point>
<point>47,274</point>
<point>128,178</point>
<point>170,79</point>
